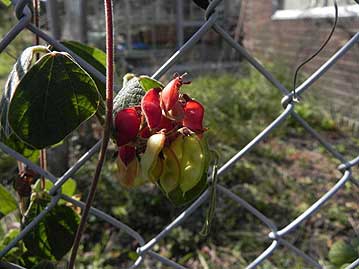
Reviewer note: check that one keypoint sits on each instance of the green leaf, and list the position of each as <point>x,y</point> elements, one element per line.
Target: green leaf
<point>52,238</point>
<point>6,2</point>
<point>7,202</point>
<point>149,83</point>
<point>341,253</point>
<point>11,234</point>
<point>133,255</point>
<point>68,188</point>
<point>95,57</point>
<point>44,265</point>
<point>16,144</point>
<point>21,67</point>
<point>54,97</point>
<point>16,254</point>
<point>2,233</point>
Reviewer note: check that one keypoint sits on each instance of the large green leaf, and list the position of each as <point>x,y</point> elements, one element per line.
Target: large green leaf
<point>7,202</point>
<point>53,98</point>
<point>94,56</point>
<point>44,265</point>
<point>20,68</point>
<point>52,238</point>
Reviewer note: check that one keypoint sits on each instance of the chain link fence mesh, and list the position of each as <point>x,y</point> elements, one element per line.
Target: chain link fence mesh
<point>277,235</point>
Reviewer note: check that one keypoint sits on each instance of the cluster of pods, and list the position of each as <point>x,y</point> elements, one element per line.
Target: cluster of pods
<point>161,141</point>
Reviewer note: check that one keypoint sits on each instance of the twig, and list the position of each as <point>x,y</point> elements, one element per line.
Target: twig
<point>36,20</point>
<point>106,131</point>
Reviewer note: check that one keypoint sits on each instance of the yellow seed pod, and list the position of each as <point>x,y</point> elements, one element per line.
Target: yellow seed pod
<point>171,175</point>
<point>149,159</point>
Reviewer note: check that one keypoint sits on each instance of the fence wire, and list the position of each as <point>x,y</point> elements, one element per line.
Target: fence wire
<point>277,235</point>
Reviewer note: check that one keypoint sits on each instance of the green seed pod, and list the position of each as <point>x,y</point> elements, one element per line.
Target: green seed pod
<point>177,147</point>
<point>192,162</point>
<point>158,169</point>
<point>171,175</point>
<point>150,158</point>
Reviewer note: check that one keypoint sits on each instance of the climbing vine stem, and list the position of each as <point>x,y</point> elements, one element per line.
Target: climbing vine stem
<point>36,21</point>
<point>106,130</point>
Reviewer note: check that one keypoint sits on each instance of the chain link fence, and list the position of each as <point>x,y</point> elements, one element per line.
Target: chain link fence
<point>277,235</point>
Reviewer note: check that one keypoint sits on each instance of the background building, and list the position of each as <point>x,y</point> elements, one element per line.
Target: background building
<point>290,31</point>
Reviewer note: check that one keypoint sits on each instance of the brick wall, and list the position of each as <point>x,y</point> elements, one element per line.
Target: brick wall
<point>292,41</point>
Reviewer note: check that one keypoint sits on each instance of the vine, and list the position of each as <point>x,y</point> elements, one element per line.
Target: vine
<point>106,130</point>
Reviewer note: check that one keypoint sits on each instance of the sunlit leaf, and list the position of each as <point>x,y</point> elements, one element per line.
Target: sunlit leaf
<point>69,187</point>
<point>7,202</point>
<point>6,2</point>
<point>20,68</point>
<point>149,83</point>
<point>94,56</point>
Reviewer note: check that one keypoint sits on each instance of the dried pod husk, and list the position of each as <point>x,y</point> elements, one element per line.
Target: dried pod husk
<point>128,167</point>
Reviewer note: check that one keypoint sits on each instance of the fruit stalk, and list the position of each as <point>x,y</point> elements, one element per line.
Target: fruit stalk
<point>106,131</point>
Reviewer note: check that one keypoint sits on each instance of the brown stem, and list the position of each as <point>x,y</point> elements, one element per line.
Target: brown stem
<point>43,165</point>
<point>36,21</point>
<point>106,131</point>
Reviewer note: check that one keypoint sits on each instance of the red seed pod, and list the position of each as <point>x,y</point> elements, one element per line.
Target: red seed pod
<point>177,112</point>
<point>151,107</point>
<point>166,124</point>
<point>170,93</point>
<point>127,154</point>
<point>127,124</point>
<point>145,132</point>
<point>193,116</point>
